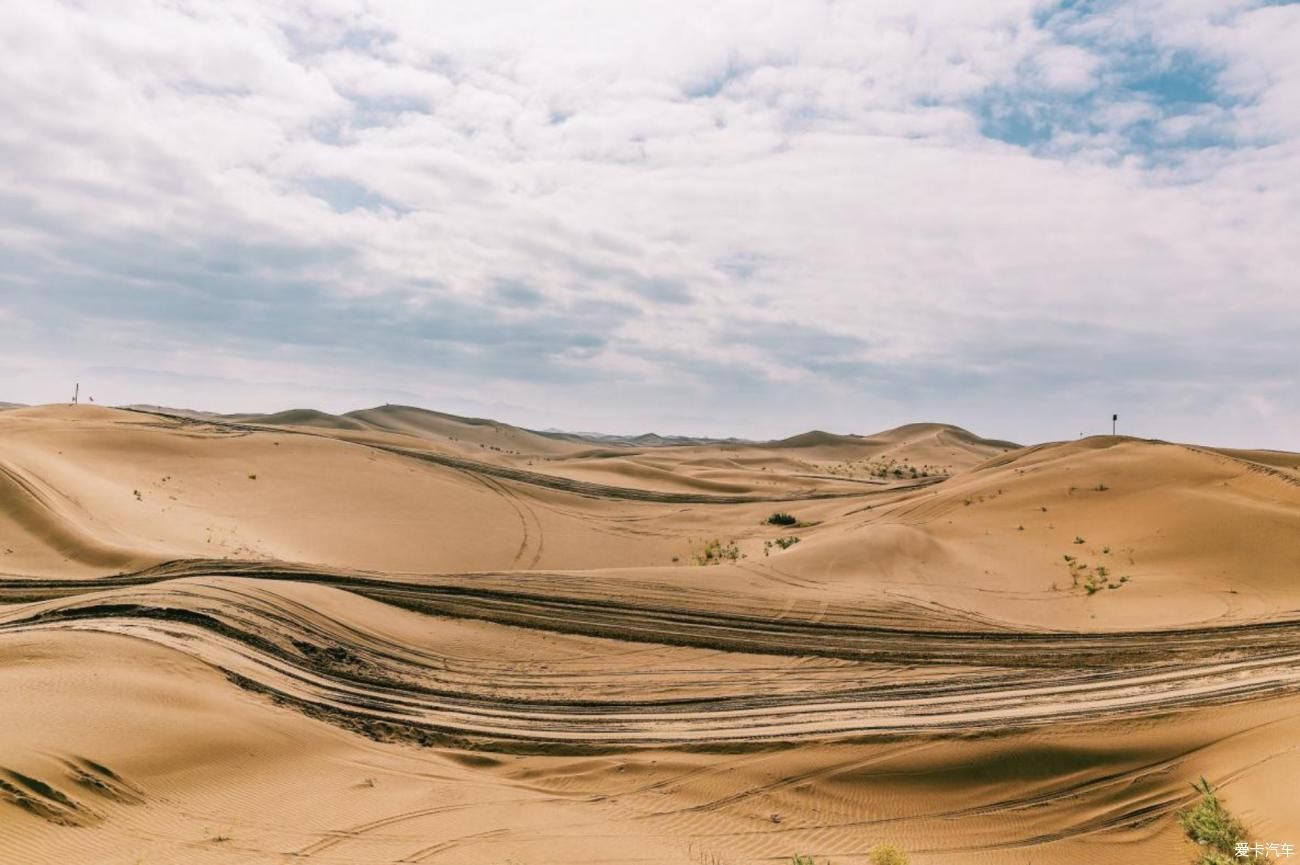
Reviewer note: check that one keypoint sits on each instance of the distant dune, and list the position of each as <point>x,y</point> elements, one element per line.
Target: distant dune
<point>397,635</point>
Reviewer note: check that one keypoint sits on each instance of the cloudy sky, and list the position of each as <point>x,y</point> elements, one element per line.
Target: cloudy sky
<point>747,218</point>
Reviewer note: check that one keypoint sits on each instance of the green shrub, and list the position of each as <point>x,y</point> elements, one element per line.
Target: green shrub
<point>787,543</point>
<point>1209,825</point>
<point>781,519</point>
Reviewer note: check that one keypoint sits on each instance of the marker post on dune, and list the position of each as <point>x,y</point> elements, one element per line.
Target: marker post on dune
<point>1114,418</point>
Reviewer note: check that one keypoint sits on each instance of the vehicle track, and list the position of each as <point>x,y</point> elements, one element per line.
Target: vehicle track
<point>229,615</point>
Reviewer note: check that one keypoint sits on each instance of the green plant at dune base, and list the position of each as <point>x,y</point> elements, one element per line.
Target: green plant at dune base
<point>781,519</point>
<point>1208,825</point>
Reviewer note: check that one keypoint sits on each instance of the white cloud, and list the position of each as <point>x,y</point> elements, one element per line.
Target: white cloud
<point>1067,68</point>
<point>369,175</point>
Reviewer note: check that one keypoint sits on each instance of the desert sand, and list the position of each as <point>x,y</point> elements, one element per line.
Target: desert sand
<point>396,635</point>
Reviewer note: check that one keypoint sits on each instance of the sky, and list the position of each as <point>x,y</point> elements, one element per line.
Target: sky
<point>731,218</point>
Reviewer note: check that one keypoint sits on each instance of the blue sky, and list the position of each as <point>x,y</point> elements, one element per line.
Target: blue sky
<point>754,219</point>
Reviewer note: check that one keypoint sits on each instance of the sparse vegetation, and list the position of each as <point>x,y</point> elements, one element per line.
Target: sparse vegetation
<point>881,854</point>
<point>1208,825</point>
<point>1079,540</point>
<point>887,854</point>
<point>882,468</point>
<point>715,552</point>
<point>1094,578</point>
<point>1101,488</point>
<point>252,477</point>
<point>783,543</point>
<point>781,519</point>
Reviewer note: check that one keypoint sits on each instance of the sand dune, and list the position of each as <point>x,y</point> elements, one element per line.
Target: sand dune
<point>399,636</point>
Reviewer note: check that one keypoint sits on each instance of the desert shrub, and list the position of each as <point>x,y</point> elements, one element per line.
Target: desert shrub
<point>1094,583</point>
<point>787,543</point>
<point>887,854</point>
<point>715,552</point>
<point>781,519</point>
<point>1209,825</point>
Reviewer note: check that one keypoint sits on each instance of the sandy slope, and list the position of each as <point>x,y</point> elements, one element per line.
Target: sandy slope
<point>364,638</point>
